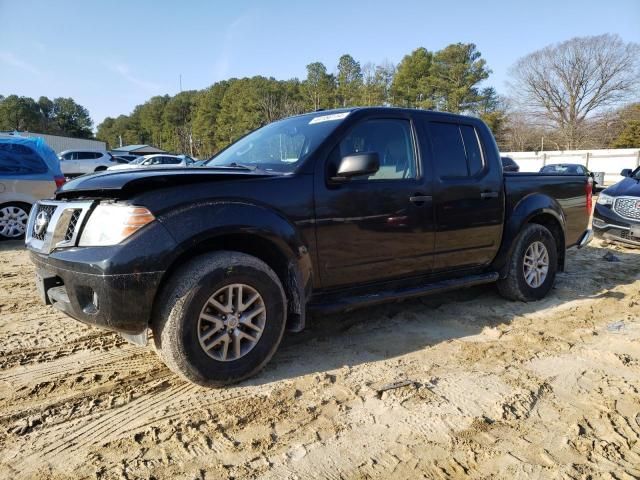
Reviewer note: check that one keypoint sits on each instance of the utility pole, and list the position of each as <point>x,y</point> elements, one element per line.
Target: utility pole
<point>180,82</point>
<point>542,148</point>
<point>120,137</point>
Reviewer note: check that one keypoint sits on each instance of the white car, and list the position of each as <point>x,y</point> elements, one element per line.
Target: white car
<point>79,162</point>
<point>156,160</point>
<point>125,156</point>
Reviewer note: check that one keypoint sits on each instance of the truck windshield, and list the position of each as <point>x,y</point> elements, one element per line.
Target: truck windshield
<point>280,146</point>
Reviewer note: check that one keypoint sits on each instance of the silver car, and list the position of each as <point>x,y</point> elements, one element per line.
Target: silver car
<point>156,160</point>
<point>29,171</point>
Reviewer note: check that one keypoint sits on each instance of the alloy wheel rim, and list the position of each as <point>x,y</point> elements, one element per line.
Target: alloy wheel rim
<point>13,222</point>
<point>231,322</point>
<point>536,264</point>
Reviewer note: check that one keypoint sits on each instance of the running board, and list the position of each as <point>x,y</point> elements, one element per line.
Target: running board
<point>331,303</point>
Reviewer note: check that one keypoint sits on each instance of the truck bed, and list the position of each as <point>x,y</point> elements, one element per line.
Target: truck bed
<point>569,192</point>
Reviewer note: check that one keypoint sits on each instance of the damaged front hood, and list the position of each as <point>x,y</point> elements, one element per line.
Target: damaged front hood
<point>118,183</point>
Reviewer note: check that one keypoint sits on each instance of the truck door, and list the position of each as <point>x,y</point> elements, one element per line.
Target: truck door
<point>379,226</point>
<point>468,195</point>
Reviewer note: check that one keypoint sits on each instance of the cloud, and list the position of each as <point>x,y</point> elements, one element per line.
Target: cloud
<point>10,59</point>
<point>124,72</point>
<point>236,29</point>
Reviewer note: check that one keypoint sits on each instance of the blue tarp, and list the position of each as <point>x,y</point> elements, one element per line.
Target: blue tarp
<point>36,145</point>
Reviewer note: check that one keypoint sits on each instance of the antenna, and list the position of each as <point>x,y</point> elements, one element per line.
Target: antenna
<point>180,82</point>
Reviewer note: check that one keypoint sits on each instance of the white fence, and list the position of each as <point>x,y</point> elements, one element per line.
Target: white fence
<point>610,161</point>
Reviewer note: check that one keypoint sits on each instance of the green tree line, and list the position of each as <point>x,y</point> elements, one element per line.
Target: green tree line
<point>60,116</point>
<point>208,120</point>
<point>202,122</point>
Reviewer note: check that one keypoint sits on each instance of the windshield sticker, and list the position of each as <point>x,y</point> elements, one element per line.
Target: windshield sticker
<point>329,118</point>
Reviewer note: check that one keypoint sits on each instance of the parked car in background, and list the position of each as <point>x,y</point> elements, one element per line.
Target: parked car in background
<point>80,162</point>
<point>320,212</point>
<point>617,213</point>
<point>570,169</point>
<point>188,160</point>
<point>29,171</point>
<point>156,160</point>
<point>121,160</point>
<point>509,165</point>
<point>124,156</point>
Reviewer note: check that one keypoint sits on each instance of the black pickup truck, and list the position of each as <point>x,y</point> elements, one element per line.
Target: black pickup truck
<point>320,212</point>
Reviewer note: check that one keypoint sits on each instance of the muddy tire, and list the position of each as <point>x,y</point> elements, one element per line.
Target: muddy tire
<point>221,318</point>
<point>532,266</point>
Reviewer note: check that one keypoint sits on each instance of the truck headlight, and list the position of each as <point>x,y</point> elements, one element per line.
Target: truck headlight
<point>111,223</point>
<point>604,199</point>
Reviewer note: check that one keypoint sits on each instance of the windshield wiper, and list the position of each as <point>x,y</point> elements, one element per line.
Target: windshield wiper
<point>234,165</point>
<point>243,166</point>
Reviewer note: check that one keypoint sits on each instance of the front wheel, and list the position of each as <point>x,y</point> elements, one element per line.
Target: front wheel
<point>532,267</point>
<point>221,318</point>
<point>13,220</point>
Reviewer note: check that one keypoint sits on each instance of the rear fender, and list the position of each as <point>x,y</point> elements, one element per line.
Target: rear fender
<point>526,210</point>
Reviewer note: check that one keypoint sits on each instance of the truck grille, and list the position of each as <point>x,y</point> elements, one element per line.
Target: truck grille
<point>627,207</point>
<point>49,210</point>
<point>73,224</point>
<point>55,224</point>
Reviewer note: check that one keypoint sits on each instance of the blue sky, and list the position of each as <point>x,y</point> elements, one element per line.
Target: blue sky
<point>112,55</point>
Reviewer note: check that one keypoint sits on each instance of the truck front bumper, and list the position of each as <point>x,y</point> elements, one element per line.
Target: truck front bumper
<point>119,302</point>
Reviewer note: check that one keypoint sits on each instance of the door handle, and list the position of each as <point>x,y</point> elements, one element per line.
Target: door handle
<point>420,199</point>
<point>485,195</point>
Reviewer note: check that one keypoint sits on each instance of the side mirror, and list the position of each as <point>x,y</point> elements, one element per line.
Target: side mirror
<point>357,164</point>
<point>626,172</point>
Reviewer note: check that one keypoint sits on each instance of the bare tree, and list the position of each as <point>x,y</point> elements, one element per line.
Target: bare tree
<point>570,82</point>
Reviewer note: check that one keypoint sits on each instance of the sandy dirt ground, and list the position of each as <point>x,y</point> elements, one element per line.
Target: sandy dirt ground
<point>465,384</point>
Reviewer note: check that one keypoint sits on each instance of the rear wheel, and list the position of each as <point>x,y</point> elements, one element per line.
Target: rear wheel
<point>13,220</point>
<point>533,265</point>
<point>221,318</point>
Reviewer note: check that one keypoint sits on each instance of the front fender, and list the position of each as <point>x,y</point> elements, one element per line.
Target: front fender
<point>200,221</point>
<point>523,212</point>
<point>204,223</point>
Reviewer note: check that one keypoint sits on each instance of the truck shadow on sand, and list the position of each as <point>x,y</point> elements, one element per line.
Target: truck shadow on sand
<point>8,245</point>
<point>391,330</point>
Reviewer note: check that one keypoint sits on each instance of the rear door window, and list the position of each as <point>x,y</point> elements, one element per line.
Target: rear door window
<point>448,150</point>
<point>457,150</point>
<point>18,159</point>
<point>472,149</point>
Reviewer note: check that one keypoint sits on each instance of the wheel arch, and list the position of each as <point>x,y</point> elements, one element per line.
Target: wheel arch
<point>272,239</point>
<point>534,209</point>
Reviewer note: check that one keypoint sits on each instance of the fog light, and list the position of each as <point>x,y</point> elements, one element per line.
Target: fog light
<point>91,304</point>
